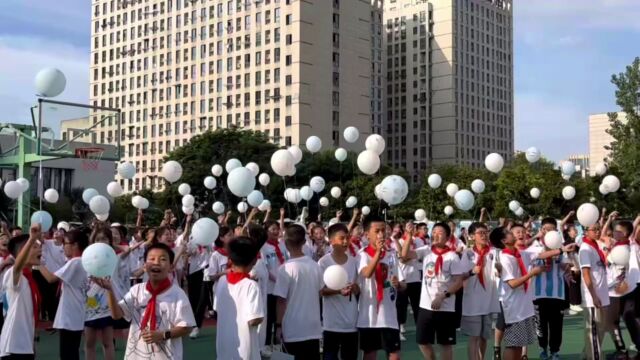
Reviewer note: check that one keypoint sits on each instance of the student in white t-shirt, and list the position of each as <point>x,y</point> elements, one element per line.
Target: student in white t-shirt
<point>412,271</point>
<point>239,304</point>
<point>595,292</point>
<point>298,286</point>
<point>21,296</point>
<point>340,307</point>
<point>70,315</point>
<point>442,278</point>
<point>53,258</point>
<point>380,280</point>
<point>273,254</point>
<point>159,311</point>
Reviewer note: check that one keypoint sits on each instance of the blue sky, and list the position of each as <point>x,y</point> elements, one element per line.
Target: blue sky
<point>565,54</point>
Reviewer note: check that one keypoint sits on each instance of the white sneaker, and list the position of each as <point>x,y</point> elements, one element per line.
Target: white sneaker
<point>266,352</point>
<point>194,333</point>
<point>402,329</point>
<point>402,338</point>
<point>576,308</point>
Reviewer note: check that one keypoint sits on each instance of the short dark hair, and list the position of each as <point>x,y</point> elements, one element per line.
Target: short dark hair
<point>267,224</point>
<point>11,229</point>
<point>516,225</point>
<point>445,226</point>
<point>497,236</point>
<point>295,235</point>
<point>222,232</point>
<point>122,230</point>
<point>242,250</point>
<point>627,226</point>
<point>258,234</point>
<point>160,246</point>
<point>370,219</point>
<point>16,243</point>
<point>549,220</point>
<point>335,228</point>
<point>476,225</point>
<point>421,225</point>
<point>79,238</point>
<point>106,232</point>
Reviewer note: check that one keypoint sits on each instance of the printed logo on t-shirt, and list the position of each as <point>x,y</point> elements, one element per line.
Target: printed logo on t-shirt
<point>430,271</point>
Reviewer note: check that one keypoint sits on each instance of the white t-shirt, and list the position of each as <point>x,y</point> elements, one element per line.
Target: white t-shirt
<point>261,274</point>
<point>198,257</point>
<point>53,255</point>
<point>172,309</point>
<point>236,305</point>
<point>478,299</point>
<point>2,290</point>
<point>97,306</point>
<point>516,303</point>
<point>589,259</point>
<point>433,284</point>
<point>411,269</point>
<point>217,264</point>
<point>18,329</point>
<point>299,282</point>
<point>75,284</point>
<point>268,253</point>
<point>340,313</point>
<point>136,257</point>
<point>617,273</point>
<point>370,315</point>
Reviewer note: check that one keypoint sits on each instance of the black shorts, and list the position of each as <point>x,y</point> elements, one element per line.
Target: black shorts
<point>436,325</point>
<point>374,339</point>
<point>99,323</point>
<point>121,324</point>
<point>500,323</point>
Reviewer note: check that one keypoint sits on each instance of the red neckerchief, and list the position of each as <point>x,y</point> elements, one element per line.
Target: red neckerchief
<point>222,251</point>
<point>35,293</point>
<point>480,262</point>
<point>423,238</point>
<point>453,243</point>
<point>235,277</point>
<point>523,270</point>
<point>440,259</point>
<point>622,242</point>
<point>595,246</point>
<point>275,244</point>
<point>352,250</point>
<point>380,275</point>
<point>356,241</point>
<point>149,317</point>
<point>521,247</point>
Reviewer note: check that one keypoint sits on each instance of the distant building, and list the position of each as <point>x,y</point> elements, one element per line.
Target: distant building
<point>71,128</point>
<point>599,138</point>
<point>582,164</point>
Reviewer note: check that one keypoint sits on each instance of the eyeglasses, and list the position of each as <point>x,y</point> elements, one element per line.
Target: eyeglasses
<point>481,232</point>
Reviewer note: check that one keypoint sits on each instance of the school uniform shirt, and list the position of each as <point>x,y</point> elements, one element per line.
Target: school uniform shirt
<point>198,257</point>
<point>299,282</point>
<point>455,243</point>
<point>236,305</point>
<point>261,274</point>
<point>53,255</point>
<point>413,267</point>
<point>616,274</point>
<point>136,257</point>
<point>549,284</point>
<point>270,257</point>
<point>172,309</point>
<point>2,289</point>
<point>18,329</point>
<point>635,249</point>
<point>434,284</point>
<point>97,306</point>
<point>478,298</point>
<point>217,264</point>
<point>75,284</point>
<point>340,313</point>
<point>589,259</point>
<point>517,303</point>
<point>370,313</point>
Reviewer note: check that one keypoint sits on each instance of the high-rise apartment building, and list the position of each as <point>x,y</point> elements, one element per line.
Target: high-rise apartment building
<point>599,139</point>
<point>449,82</point>
<point>176,68</point>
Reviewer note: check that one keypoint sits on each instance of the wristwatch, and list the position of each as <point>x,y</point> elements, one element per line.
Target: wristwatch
<point>447,294</point>
<point>167,335</point>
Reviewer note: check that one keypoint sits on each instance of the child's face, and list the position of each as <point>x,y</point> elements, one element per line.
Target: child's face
<point>35,254</point>
<point>619,233</point>
<point>101,238</point>
<point>573,232</point>
<point>480,236</point>
<point>593,232</point>
<point>238,231</point>
<point>518,233</point>
<point>439,235</point>
<point>4,242</point>
<point>509,240</point>
<point>340,240</point>
<point>70,248</point>
<point>157,264</point>
<point>318,234</point>
<point>166,238</point>
<point>227,237</point>
<point>115,234</point>
<point>376,233</point>
<point>273,231</point>
<point>421,230</point>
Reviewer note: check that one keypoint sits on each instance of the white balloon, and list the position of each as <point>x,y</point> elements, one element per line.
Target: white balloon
<point>534,192</point>
<point>295,196</point>
<point>99,260</point>
<point>448,210</point>
<point>434,181</point>
<point>241,181</point>
<point>232,164</point>
<point>264,179</point>
<point>50,82</point>
<point>188,210</point>
<point>588,214</point>
<point>314,144</point>
<point>188,200</point>
<point>12,189</point>
<point>102,217</point>
<point>255,198</point>
<point>254,168</point>
<point>494,162</point>
<point>184,189</point>
<point>336,192</point>
<point>568,168</point>
<point>99,205</point>
<point>24,184</point>
<point>282,162</point>
<point>136,201</point>
<point>172,171</point>
<point>477,186</point>
<point>351,201</point>
<point>601,169</point>
<point>375,143</point>
<point>420,215</point>
<point>532,154</point>
<point>394,189</point>
<point>218,207</point>
<point>317,184</point>
<point>568,192</point>
<point>324,201</point>
<point>210,182</point>
<point>604,189</point>
<point>452,189</point>
<point>351,134</point>
<point>265,205</point>
<point>341,154</point>
<point>335,277</point>
<point>514,205</point>
<point>612,182</point>
<point>306,193</point>
<point>566,177</point>
<point>464,200</point>
<point>296,153</point>
<point>51,196</point>
<point>368,162</point>
<point>553,240</point>
<point>88,194</point>
<point>620,255</point>
<point>519,211</point>
<point>216,170</point>
<point>366,210</point>
<point>126,170</point>
<point>43,218</point>
<point>204,232</point>
<point>114,189</point>
<point>242,207</point>
<point>378,191</point>
<point>144,204</point>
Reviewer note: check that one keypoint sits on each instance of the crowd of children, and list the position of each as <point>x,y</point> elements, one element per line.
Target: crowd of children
<point>264,284</point>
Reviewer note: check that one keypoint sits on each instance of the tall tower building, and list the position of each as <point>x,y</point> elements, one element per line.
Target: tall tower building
<point>177,68</point>
<point>449,82</point>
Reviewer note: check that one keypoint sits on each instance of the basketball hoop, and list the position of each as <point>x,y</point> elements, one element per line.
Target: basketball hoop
<point>90,157</point>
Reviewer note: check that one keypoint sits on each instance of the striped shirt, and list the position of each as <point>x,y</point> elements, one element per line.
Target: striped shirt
<point>550,284</point>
